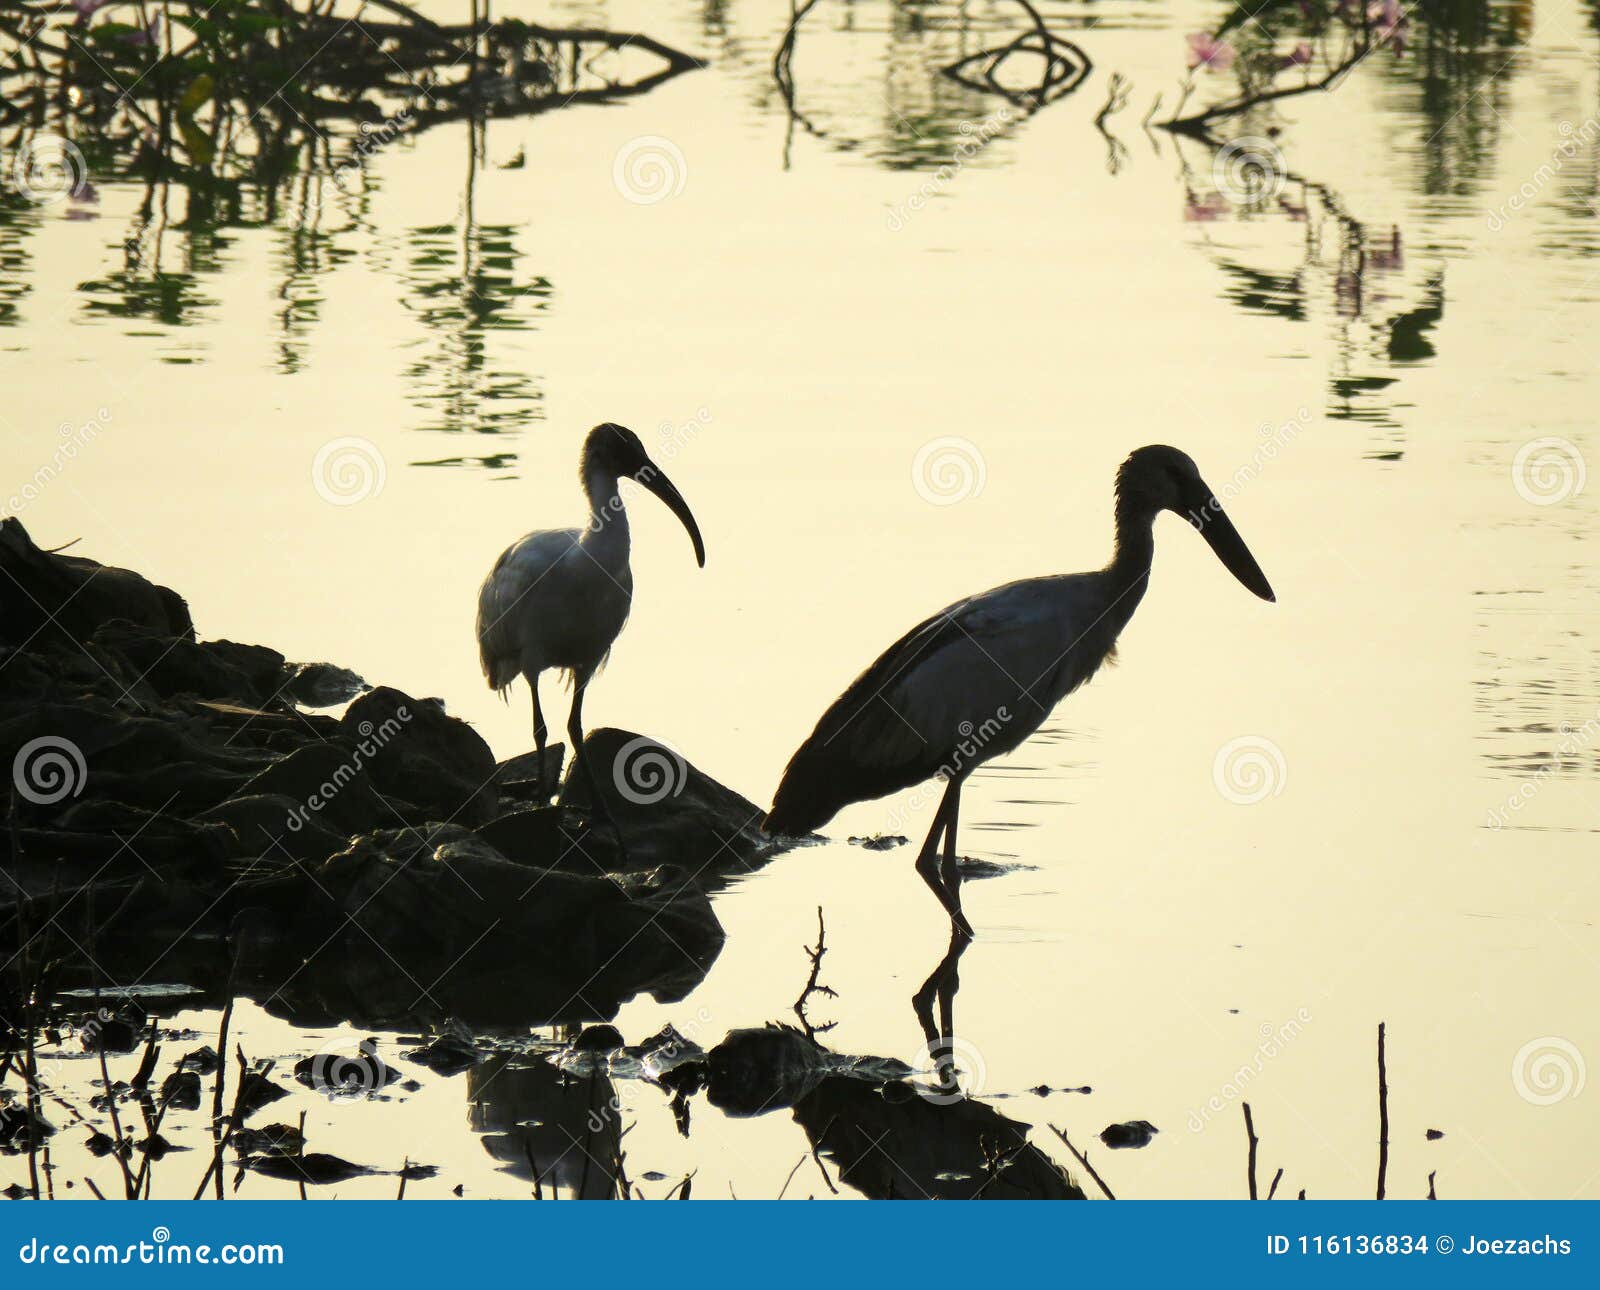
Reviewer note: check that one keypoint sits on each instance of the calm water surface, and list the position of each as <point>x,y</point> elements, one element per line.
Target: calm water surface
<point>1360,358</point>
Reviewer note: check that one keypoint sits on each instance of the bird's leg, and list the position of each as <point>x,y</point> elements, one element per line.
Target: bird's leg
<point>950,872</point>
<point>928,857</point>
<point>580,754</point>
<point>541,736</point>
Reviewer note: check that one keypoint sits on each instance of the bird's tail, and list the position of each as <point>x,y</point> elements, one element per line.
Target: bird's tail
<point>803,802</point>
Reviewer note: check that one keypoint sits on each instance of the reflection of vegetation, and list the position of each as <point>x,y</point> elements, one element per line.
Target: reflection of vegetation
<point>945,68</point>
<point>1349,274</point>
<point>235,114</point>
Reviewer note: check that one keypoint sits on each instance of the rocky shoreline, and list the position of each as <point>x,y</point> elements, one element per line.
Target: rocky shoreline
<point>181,810</point>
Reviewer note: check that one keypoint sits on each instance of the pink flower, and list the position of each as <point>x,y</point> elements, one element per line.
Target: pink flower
<point>1389,24</point>
<point>1299,56</point>
<point>1205,50</point>
<point>86,8</point>
<point>1203,210</point>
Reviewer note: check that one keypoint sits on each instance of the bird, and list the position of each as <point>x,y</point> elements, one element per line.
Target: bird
<point>558,598</point>
<point>979,677</point>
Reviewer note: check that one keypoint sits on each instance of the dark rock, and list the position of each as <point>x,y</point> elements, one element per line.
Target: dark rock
<point>449,1054</point>
<point>492,941</point>
<point>666,809</point>
<point>880,842</point>
<point>273,1139</point>
<point>181,1089</point>
<point>206,670</point>
<point>47,598</point>
<point>155,1146</point>
<point>598,1039</point>
<point>315,1168</point>
<point>257,1091</point>
<point>202,1061</point>
<point>1130,1135</point>
<point>261,823</point>
<point>1435,1134</point>
<point>920,1148</point>
<point>415,752</point>
<point>758,1070</point>
<point>20,1128</point>
<point>328,783</point>
<point>323,685</point>
<point>524,774</point>
<point>355,1074</point>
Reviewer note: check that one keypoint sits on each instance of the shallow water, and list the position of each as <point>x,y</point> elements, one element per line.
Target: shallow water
<point>1360,359</point>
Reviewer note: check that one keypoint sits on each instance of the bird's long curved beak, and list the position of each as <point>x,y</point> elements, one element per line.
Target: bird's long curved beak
<point>1217,529</point>
<point>655,479</point>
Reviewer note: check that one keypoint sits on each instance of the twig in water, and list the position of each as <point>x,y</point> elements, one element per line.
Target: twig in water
<point>1083,1160</point>
<point>1276,1179</point>
<point>1250,1133</point>
<point>815,955</point>
<point>790,1178</point>
<point>1432,1195</point>
<point>1383,1114</point>
<point>1116,99</point>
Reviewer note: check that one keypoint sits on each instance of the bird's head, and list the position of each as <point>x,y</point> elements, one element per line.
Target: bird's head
<point>616,451</point>
<point>1158,478</point>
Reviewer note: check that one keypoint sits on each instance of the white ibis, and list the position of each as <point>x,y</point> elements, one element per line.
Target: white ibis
<point>559,597</point>
<point>979,677</point>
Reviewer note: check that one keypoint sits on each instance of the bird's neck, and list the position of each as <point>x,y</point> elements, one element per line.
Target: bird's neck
<point>1135,546</point>
<point>608,519</point>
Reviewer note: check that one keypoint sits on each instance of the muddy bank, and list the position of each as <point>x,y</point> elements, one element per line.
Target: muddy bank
<point>182,811</point>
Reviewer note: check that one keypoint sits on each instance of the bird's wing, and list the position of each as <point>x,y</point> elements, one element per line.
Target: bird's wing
<point>977,665</point>
<point>503,600</point>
